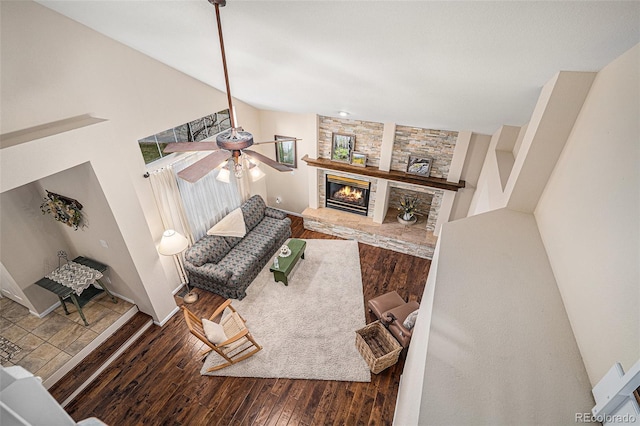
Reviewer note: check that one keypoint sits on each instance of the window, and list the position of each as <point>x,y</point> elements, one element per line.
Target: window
<point>194,131</point>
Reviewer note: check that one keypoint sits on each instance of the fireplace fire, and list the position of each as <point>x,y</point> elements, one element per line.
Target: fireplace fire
<point>348,195</point>
<point>351,195</point>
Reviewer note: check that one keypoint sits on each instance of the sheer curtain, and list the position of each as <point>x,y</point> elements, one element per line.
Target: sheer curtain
<point>207,200</point>
<point>169,202</point>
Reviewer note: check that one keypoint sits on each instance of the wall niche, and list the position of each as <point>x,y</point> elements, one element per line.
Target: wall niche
<point>423,207</point>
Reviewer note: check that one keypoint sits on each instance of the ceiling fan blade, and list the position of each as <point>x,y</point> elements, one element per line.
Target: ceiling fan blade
<point>268,161</point>
<point>202,167</point>
<point>190,146</point>
<point>278,140</point>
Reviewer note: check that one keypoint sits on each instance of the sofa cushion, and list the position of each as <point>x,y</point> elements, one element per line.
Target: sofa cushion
<point>232,241</point>
<point>274,213</point>
<point>257,244</point>
<point>275,227</point>
<point>253,211</point>
<point>239,263</point>
<point>212,271</point>
<point>208,249</point>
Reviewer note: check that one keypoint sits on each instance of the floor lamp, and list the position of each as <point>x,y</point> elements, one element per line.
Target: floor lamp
<point>173,244</point>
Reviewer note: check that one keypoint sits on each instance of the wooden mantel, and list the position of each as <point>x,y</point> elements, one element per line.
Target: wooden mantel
<point>393,175</point>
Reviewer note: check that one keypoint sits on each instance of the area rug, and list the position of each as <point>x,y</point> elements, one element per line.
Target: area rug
<point>307,329</point>
<point>8,350</point>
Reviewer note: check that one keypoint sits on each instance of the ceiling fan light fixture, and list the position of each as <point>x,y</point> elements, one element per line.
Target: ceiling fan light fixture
<point>223,175</point>
<point>256,174</point>
<point>237,170</point>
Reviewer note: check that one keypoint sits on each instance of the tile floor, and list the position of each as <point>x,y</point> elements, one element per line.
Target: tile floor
<point>46,344</point>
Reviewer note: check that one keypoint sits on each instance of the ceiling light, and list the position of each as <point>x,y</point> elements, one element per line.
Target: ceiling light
<point>256,174</point>
<point>223,175</point>
<point>343,114</point>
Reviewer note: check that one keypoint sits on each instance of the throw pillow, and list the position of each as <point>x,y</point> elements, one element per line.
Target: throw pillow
<point>213,331</point>
<point>232,225</point>
<point>410,321</point>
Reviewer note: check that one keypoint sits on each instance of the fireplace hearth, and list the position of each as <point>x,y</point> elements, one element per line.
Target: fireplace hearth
<point>347,194</point>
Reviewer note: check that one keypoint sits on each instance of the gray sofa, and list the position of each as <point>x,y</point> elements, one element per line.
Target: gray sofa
<point>227,265</point>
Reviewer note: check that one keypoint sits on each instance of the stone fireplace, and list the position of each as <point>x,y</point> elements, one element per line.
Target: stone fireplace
<point>361,203</point>
<point>347,194</point>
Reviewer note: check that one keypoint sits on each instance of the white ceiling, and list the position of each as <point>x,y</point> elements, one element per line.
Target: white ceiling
<point>444,65</point>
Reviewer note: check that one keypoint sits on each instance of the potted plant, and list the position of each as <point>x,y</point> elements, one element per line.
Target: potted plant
<point>407,208</point>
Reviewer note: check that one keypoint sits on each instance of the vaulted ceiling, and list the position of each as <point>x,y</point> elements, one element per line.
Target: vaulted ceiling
<point>447,65</point>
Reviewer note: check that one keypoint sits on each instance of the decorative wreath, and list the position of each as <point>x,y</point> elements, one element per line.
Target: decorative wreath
<point>64,209</point>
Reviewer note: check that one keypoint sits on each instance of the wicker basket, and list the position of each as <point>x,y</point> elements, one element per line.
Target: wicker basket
<point>377,346</point>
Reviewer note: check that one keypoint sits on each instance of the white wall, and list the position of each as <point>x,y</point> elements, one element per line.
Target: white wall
<point>517,181</point>
<point>29,242</point>
<point>474,159</point>
<point>293,189</point>
<point>489,194</point>
<point>500,350</point>
<point>551,122</point>
<point>502,285</point>
<point>53,68</point>
<point>589,218</point>
<point>412,379</point>
<point>81,183</point>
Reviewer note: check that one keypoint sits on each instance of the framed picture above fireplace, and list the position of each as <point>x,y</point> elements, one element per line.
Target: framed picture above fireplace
<point>419,166</point>
<point>342,146</point>
<point>358,159</point>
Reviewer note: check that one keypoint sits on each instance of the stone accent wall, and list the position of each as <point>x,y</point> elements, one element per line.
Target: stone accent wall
<point>424,199</point>
<point>323,194</point>
<point>435,144</point>
<point>438,145</point>
<point>418,250</point>
<point>436,202</point>
<point>368,137</point>
<point>434,196</point>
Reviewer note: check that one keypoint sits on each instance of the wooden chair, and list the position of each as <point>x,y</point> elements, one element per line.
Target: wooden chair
<point>236,348</point>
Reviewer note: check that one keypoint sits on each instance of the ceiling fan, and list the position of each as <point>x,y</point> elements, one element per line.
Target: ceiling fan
<point>230,144</point>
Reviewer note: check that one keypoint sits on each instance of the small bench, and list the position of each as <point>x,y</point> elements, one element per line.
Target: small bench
<point>286,264</point>
<point>63,292</point>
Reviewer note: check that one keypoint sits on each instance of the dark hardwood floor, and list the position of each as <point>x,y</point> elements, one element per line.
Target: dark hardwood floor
<point>157,381</point>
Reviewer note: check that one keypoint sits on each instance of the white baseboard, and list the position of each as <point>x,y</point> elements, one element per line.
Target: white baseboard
<point>168,317</point>
<point>291,213</point>
<point>177,290</point>
<point>126,299</point>
<point>76,359</point>
<point>55,305</point>
<point>46,311</point>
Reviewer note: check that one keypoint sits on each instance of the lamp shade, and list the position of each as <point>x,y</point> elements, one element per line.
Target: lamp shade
<point>223,175</point>
<point>172,243</point>
<point>256,174</point>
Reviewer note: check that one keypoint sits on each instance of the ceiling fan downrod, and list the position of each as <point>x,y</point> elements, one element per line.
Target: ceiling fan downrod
<point>218,4</point>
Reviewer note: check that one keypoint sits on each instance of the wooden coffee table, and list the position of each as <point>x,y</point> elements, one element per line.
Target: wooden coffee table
<point>286,264</point>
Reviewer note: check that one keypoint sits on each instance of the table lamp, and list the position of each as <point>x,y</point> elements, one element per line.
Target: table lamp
<point>173,244</point>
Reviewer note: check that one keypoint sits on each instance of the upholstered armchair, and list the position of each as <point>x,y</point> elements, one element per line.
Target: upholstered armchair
<point>396,314</point>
